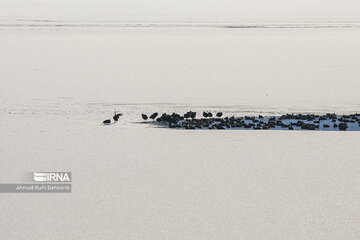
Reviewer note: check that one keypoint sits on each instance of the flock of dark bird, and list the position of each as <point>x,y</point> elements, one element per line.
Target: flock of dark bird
<point>329,121</point>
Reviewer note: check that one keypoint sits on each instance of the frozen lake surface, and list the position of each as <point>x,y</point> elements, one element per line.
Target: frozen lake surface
<point>135,181</point>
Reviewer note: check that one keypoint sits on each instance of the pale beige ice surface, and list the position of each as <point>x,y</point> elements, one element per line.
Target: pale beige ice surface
<point>132,181</point>
<point>267,67</point>
<point>169,184</point>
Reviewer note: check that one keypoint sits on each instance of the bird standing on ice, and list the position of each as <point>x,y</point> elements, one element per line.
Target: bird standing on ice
<point>115,118</point>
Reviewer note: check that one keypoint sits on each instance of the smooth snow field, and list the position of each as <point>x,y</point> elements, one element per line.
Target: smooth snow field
<point>137,181</point>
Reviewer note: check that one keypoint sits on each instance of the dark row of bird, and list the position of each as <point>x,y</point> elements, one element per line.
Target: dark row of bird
<point>187,115</point>
<point>329,121</point>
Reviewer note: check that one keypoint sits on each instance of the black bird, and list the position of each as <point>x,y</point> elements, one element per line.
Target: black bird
<point>343,126</point>
<point>107,121</point>
<point>154,115</point>
<point>210,114</point>
<point>219,114</point>
<point>205,114</point>
<point>116,116</point>
<point>193,115</point>
<point>187,115</point>
<point>144,116</point>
